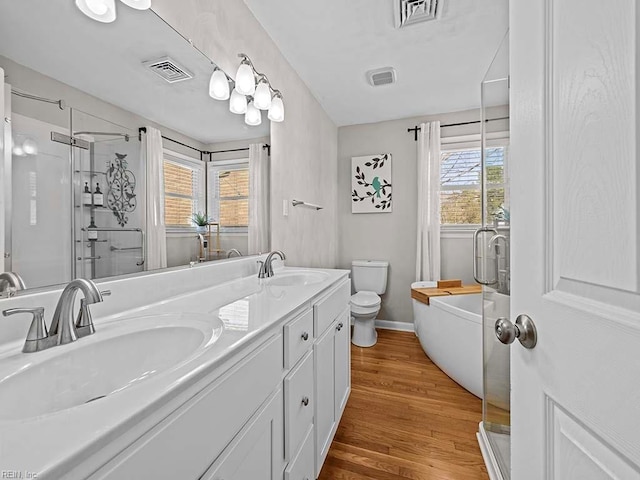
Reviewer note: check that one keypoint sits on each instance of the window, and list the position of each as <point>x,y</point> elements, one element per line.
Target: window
<point>229,194</point>
<point>460,184</point>
<point>183,189</point>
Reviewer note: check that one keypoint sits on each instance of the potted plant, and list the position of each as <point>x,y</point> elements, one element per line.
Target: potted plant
<point>201,221</point>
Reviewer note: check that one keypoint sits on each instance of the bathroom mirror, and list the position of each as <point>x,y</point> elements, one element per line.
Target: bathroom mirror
<point>76,94</point>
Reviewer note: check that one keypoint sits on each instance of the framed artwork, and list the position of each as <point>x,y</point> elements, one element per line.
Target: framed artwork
<point>371,184</point>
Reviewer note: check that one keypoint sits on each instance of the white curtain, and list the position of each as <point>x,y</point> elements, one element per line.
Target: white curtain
<point>259,220</point>
<point>428,245</point>
<point>156,235</point>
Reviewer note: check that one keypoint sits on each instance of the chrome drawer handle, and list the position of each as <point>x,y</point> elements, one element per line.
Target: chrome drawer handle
<point>339,326</point>
<point>305,401</point>
<point>304,336</point>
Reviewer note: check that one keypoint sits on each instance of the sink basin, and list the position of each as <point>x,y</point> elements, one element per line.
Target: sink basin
<point>118,356</point>
<point>297,278</point>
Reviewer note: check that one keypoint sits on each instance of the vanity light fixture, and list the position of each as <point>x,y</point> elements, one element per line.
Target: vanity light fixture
<point>105,10</point>
<point>29,146</point>
<point>219,85</point>
<point>238,103</point>
<point>253,117</point>
<point>262,97</point>
<point>245,77</point>
<point>276,112</point>
<point>100,10</point>
<point>138,4</point>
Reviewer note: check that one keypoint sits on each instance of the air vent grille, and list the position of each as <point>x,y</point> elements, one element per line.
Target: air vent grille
<point>168,69</point>
<point>381,76</point>
<point>410,12</point>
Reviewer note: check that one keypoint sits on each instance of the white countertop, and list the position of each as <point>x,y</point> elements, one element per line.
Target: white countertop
<point>51,445</point>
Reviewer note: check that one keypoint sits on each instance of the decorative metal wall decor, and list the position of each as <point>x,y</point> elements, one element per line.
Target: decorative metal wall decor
<point>121,185</point>
<point>371,184</point>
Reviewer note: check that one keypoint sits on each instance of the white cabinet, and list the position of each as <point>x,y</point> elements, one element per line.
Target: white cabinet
<point>256,452</point>
<point>332,360</point>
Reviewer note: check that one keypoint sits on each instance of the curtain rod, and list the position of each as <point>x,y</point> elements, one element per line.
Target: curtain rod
<point>60,103</point>
<point>416,129</point>
<point>142,130</point>
<point>266,145</point>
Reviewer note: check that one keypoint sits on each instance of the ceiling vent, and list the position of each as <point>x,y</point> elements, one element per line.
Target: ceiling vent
<point>409,12</point>
<point>381,76</point>
<point>168,69</point>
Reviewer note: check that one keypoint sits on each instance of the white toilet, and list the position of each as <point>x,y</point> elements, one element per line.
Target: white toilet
<point>369,280</point>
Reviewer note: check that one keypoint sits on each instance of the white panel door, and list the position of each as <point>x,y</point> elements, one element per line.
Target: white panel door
<point>576,235</point>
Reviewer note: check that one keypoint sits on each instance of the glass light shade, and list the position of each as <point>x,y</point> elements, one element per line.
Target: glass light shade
<point>245,81</point>
<point>30,147</point>
<point>138,4</point>
<point>276,112</point>
<point>253,116</point>
<point>100,10</point>
<point>262,98</point>
<point>219,85</point>
<point>238,103</point>
<point>18,151</point>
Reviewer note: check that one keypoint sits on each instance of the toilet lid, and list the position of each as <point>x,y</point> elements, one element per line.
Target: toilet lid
<point>365,299</point>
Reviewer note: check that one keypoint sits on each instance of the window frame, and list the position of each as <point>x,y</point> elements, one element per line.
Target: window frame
<point>472,142</point>
<point>194,164</point>
<point>214,167</point>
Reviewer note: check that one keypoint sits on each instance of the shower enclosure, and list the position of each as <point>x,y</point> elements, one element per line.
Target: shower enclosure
<point>492,264</point>
<point>73,191</point>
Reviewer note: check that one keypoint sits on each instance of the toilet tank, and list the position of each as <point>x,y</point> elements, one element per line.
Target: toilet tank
<point>369,275</point>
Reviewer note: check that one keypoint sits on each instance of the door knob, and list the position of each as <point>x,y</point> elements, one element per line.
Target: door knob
<point>524,330</point>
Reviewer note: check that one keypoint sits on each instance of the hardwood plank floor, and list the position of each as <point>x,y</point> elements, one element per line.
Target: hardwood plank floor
<point>405,419</point>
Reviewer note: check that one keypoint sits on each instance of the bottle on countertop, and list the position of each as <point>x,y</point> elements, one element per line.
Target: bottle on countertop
<point>92,231</point>
<point>86,195</point>
<point>98,198</point>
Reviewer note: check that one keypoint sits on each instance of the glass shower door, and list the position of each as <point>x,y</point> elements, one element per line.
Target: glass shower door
<point>493,258</point>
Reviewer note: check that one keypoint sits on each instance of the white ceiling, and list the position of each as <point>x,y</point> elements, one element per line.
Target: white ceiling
<point>439,64</point>
<point>105,60</point>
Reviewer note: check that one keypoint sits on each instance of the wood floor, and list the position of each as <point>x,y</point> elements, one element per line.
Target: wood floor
<point>405,419</point>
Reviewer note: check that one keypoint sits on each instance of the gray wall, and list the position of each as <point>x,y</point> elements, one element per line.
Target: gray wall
<point>303,147</point>
<point>392,236</point>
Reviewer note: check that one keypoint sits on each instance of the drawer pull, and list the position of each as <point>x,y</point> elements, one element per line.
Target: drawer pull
<point>339,326</point>
<point>304,336</point>
<point>305,401</point>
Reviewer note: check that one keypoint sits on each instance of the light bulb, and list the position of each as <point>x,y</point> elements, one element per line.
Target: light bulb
<point>219,85</point>
<point>138,4</point>
<point>262,98</point>
<point>18,151</point>
<point>253,116</point>
<point>245,81</point>
<point>238,103</point>
<point>30,147</point>
<point>100,10</point>
<point>276,112</point>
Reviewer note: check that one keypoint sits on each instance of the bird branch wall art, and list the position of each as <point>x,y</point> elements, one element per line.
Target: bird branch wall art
<point>371,184</point>
<point>121,183</point>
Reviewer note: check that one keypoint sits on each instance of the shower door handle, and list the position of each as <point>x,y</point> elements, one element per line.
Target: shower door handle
<point>524,330</point>
<point>476,235</point>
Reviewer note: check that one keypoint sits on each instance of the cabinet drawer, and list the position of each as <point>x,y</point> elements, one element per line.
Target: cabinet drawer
<point>298,338</point>
<point>187,442</point>
<point>327,309</point>
<point>299,404</point>
<point>301,468</point>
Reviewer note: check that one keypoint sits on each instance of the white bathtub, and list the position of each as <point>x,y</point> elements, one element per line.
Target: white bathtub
<point>450,332</point>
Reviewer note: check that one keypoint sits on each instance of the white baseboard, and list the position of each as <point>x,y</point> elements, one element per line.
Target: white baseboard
<point>400,326</point>
<point>487,454</point>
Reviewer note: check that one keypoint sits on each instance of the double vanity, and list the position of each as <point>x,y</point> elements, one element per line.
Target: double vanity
<point>206,372</point>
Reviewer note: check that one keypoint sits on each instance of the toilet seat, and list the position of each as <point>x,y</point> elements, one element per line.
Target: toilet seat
<point>365,304</point>
<point>365,299</point>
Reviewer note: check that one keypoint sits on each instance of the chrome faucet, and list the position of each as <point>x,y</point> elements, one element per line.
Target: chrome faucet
<point>13,282</point>
<point>63,329</point>
<point>266,267</point>
<point>234,251</point>
<point>203,245</point>
<point>503,274</point>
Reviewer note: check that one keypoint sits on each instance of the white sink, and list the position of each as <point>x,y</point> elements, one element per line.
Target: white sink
<point>118,356</point>
<point>297,278</point>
